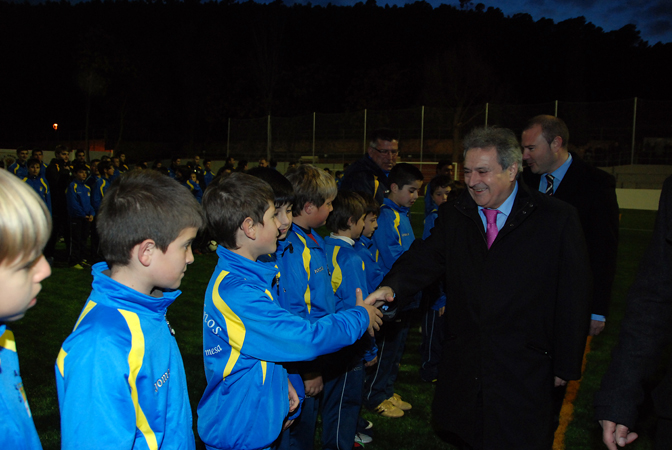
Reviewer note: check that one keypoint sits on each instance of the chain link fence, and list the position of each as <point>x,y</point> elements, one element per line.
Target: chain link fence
<point>631,131</point>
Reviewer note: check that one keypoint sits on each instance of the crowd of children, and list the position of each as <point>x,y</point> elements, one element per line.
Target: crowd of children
<point>286,332</point>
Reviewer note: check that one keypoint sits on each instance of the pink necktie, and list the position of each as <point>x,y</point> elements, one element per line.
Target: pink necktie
<point>491,231</point>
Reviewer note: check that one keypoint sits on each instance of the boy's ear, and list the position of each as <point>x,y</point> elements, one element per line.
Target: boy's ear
<point>394,187</point>
<point>249,228</point>
<point>146,251</point>
<point>308,208</point>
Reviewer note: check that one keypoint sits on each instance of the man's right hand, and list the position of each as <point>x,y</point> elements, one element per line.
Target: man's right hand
<point>381,295</point>
<point>375,315</point>
<point>613,434</point>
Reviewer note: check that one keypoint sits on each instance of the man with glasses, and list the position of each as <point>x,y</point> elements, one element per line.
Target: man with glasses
<point>369,174</point>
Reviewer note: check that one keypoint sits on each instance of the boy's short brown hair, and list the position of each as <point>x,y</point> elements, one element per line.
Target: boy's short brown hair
<point>370,203</point>
<point>311,185</point>
<point>346,205</point>
<point>229,200</point>
<point>143,204</point>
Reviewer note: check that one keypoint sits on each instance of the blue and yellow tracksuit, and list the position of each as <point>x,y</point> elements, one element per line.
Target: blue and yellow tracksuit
<point>303,264</point>
<point>19,170</point>
<point>276,288</point>
<point>17,430</point>
<point>78,197</point>
<point>394,234</point>
<point>208,176</point>
<point>120,377</point>
<point>40,185</point>
<point>245,335</point>
<point>99,191</point>
<point>195,189</point>
<point>344,370</point>
<point>392,238</point>
<point>367,250</point>
<point>307,293</point>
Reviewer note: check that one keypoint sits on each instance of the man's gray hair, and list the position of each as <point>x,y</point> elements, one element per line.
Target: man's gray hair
<point>504,140</point>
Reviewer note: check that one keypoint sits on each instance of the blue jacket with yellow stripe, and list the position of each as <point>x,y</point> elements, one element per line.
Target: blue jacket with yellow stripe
<point>78,197</point>
<point>99,191</point>
<point>394,234</point>
<point>246,334</point>
<point>40,185</point>
<point>120,377</point>
<point>307,281</point>
<point>348,272</point>
<point>17,430</point>
<point>367,250</point>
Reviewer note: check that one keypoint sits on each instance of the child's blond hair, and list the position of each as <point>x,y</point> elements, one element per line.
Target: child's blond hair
<point>311,185</point>
<point>25,223</point>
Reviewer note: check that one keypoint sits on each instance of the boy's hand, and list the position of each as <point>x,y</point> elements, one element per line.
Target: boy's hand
<point>287,424</point>
<point>372,362</point>
<point>381,295</point>
<point>312,383</point>
<point>375,315</point>
<point>293,398</point>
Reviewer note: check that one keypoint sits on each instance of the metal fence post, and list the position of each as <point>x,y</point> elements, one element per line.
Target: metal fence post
<point>422,131</point>
<point>556,108</point>
<point>487,109</point>
<point>634,124</point>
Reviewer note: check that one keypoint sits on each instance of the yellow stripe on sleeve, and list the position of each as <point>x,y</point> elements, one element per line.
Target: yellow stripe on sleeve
<point>60,361</point>
<point>234,326</point>
<point>7,340</point>
<point>135,359</point>
<point>306,265</point>
<point>396,225</point>
<point>337,276</point>
<point>102,186</point>
<point>89,306</point>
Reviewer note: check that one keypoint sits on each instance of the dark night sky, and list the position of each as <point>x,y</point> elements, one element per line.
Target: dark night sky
<point>653,18</point>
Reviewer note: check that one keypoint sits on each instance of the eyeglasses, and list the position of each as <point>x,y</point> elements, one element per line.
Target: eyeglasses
<point>386,152</point>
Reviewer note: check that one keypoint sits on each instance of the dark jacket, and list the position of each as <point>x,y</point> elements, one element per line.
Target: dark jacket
<point>644,331</point>
<point>518,315</point>
<point>58,176</point>
<point>364,175</point>
<point>593,193</point>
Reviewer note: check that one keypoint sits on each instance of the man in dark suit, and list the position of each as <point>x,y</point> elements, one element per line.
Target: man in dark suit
<point>644,331</point>
<point>516,272</point>
<point>591,191</point>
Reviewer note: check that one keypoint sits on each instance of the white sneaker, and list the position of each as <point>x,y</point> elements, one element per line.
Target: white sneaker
<point>362,438</point>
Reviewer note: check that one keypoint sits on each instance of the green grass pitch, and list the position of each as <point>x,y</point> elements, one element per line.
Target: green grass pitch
<point>40,334</point>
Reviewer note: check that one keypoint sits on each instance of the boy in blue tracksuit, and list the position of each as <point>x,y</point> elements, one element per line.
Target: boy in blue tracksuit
<point>25,227</point>
<point>38,182</point>
<point>208,174</point>
<point>283,194</point>
<point>120,377</point>
<point>393,237</point>
<point>439,189</point>
<point>81,214</point>
<point>19,167</point>
<point>246,334</point>
<point>344,370</point>
<point>366,247</point>
<point>307,289</point>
